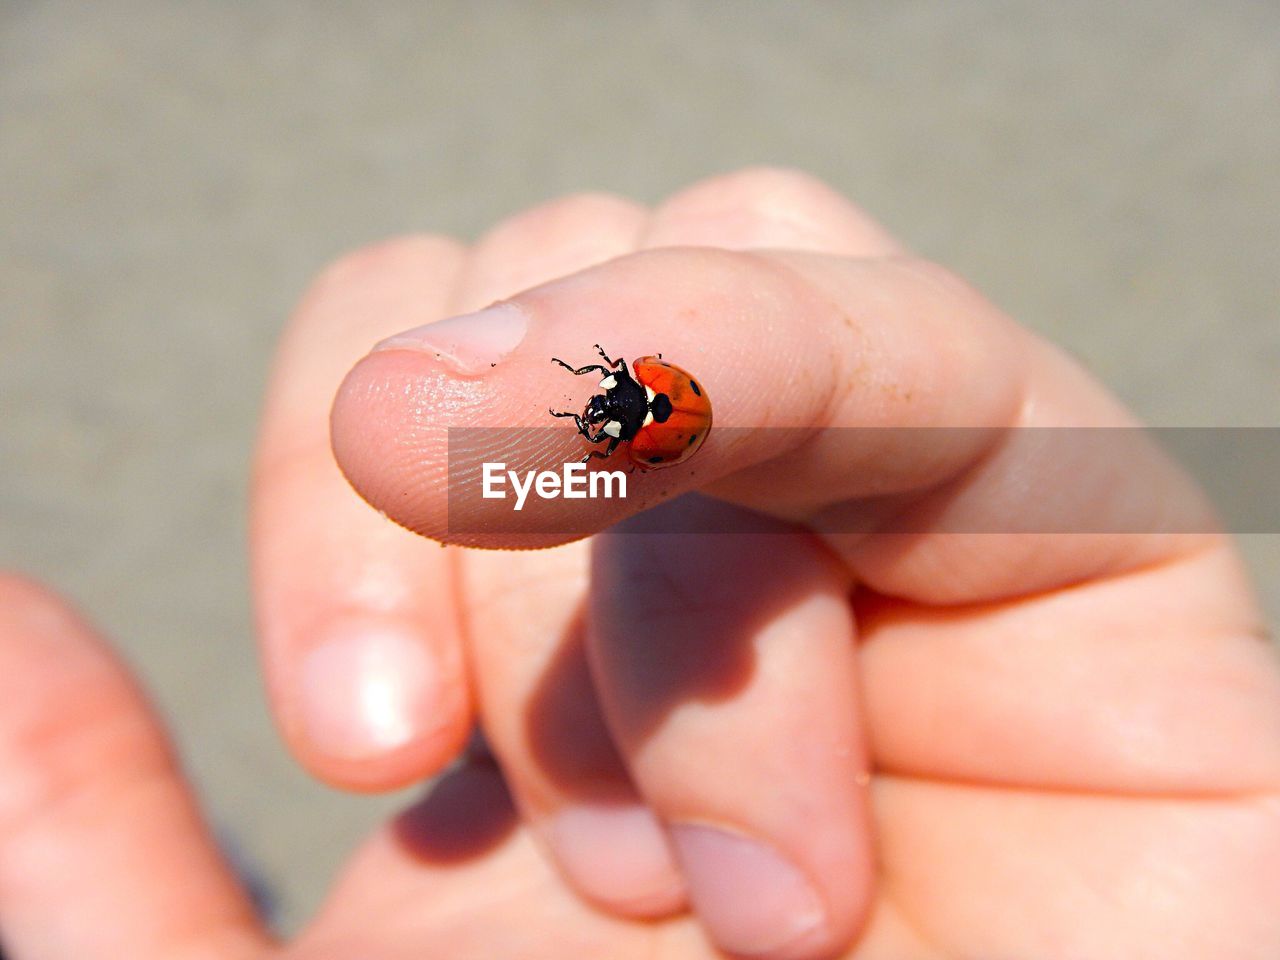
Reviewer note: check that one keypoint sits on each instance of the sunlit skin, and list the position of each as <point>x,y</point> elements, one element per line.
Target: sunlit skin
<point>1030,746</point>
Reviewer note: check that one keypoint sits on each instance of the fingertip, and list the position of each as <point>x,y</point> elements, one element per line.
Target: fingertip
<point>751,899</point>
<point>617,856</point>
<point>394,770</point>
<point>412,437</point>
<point>387,440</point>
<point>371,703</point>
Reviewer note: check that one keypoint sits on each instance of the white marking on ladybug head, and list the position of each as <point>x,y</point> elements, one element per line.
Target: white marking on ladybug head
<point>613,428</point>
<point>648,392</point>
<point>609,382</point>
<point>648,419</point>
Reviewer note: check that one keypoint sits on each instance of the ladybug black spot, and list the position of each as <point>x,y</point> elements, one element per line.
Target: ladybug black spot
<point>656,459</point>
<point>694,385</point>
<point>661,408</point>
<point>692,438</point>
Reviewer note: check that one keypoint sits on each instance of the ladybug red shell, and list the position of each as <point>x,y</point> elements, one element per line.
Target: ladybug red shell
<point>661,412</point>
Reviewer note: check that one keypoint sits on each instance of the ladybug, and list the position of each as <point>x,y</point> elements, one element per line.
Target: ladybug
<point>661,413</point>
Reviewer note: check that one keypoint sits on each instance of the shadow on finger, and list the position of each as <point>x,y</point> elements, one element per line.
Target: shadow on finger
<point>675,615</point>
<point>465,814</point>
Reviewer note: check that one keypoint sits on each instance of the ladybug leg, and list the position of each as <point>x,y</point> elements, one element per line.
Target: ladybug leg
<point>604,454</point>
<point>581,370</point>
<point>611,363</point>
<point>584,428</point>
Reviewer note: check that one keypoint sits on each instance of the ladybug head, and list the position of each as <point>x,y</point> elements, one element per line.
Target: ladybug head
<point>597,410</point>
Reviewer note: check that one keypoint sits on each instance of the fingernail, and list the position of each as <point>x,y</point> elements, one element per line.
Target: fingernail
<point>365,688</point>
<point>750,900</point>
<point>471,343</point>
<point>617,854</point>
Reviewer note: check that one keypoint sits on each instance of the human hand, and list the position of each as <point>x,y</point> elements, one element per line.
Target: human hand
<point>104,855</point>
<point>909,728</point>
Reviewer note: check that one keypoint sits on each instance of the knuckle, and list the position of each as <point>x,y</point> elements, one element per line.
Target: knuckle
<point>944,285</point>
<point>377,259</point>
<point>341,300</point>
<point>774,181</point>
<point>755,188</point>
<point>562,217</point>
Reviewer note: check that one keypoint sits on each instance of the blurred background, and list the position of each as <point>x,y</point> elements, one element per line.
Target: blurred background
<point>172,174</point>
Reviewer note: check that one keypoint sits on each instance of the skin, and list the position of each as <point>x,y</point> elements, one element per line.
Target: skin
<point>969,745</point>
